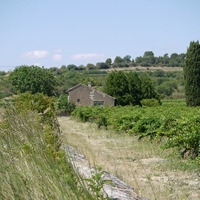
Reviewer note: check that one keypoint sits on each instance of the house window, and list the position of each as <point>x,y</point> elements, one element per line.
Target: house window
<point>98,103</point>
<point>78,100</point>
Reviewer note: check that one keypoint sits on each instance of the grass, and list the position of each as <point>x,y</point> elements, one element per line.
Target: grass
<point>154,173</point>
<point>30,167</point>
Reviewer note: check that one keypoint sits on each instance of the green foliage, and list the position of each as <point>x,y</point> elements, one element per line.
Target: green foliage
<point>186,137</point>
<point>96,183</point>
<point>129,88</point>
<point>150,102</point>
<point>118,60</point>
<point>39,103</point>
<point>90,66</point>
<point>175,122</point>
<point>34,79</point>
<point>147,89</point>
<point>192,74</point>
<point>117,86</point>
<point>84,113</point>
<point>108,61</point>
<point>127,59</point>
<point>3,95</point>
<point>148,59</point>
<point>71,66</point>
<point>102,65</point>
<point>2,73</point>
<point>64,106</point>
<point>6,88</point>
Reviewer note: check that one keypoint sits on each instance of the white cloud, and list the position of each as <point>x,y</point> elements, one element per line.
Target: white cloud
<point>57,51</point>
<point>57,57</point>
<point>37,64</point>
<point>87,56</point>
<point>35,54</point>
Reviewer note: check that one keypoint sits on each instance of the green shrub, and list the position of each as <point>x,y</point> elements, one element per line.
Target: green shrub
<point>39,103</point>
<point>64,106</point>
<point>150,102</point>
<point>174,121</point>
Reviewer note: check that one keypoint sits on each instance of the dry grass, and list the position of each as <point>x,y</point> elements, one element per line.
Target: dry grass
<point>151,68</point>
<point>140,164</point>
<point>30,168</point>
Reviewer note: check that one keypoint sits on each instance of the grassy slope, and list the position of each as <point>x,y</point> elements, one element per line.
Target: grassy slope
<point>29,167</point>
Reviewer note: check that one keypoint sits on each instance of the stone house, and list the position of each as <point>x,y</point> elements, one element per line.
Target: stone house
<point>83,95</point>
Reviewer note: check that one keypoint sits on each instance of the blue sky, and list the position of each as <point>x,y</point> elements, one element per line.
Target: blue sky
<point>60,32</point>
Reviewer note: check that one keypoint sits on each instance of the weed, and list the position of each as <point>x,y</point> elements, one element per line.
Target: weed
<point>96,183</point>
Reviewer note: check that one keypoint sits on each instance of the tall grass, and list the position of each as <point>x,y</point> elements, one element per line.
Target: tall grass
<point>30,166</point>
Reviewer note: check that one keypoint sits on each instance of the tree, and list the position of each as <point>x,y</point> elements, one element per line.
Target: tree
<point>118,60</point>
<point>134,88</point>
<point>102,65</point>
<point>174,60</point>
<point>34,79</point>
<point>192,74</point>
<point>147,88</point>
<point>71,67</point>
<point>129,88</point>
<point>109,61</point>
<point>148,54</point>
<point>127,59</point>
<point>90,66</point>
<point>165,59</point>
<point>139,60</point>
<point>117,86</point>
<point>148,58</point>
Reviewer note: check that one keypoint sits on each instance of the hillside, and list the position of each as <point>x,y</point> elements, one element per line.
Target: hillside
<point>151,68</point>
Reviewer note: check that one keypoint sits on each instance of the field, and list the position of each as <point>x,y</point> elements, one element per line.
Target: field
<point>152,68</point>
<point>154,171</point>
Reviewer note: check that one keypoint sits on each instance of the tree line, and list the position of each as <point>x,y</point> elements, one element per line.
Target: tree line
<point>147,60</point>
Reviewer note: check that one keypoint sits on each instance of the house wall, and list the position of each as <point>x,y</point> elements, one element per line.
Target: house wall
<point>84,95</point>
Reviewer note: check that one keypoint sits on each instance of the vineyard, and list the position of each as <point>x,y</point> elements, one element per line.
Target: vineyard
<point>172,122</point>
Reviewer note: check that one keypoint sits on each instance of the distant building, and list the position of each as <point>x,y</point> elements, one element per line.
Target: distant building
<point>83,95</point>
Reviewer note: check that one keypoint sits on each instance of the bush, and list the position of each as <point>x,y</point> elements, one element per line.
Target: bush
<point>150,102</point>
<point>39,103</point>
<point>64,106</point>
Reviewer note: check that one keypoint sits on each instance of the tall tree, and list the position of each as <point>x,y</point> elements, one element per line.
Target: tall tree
<point>147,88</point>
<point>118,60</point>
<point>127,59</point>
<point>134,88</point>
<point>129,88</point>
<point>34,79</point>
<point>108,61</point>
<point>148,57</point>
<point>192,74</point>
<point>117,86</point>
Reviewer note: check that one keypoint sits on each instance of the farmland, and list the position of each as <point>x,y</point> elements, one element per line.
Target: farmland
<point>145,147</point>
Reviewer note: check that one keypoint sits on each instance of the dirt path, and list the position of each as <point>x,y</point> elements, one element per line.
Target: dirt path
<point>139,164</point>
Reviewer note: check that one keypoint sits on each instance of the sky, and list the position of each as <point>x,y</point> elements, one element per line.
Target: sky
<point>52,33</point>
